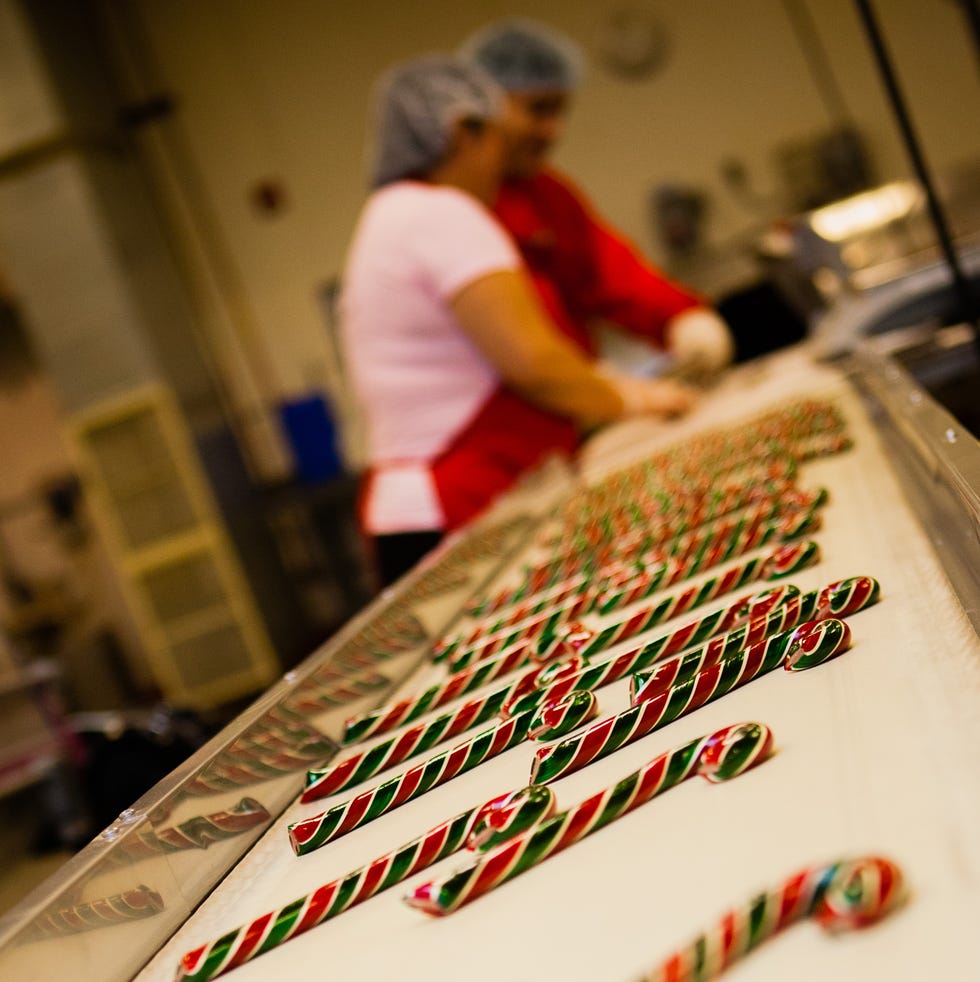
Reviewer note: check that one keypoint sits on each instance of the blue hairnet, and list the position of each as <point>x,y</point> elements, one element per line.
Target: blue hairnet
<point>417,104</point>
<point>524,56</point>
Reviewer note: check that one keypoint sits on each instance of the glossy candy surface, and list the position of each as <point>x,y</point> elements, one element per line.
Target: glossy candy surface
<point>839,896</point>
<point>718,757</point>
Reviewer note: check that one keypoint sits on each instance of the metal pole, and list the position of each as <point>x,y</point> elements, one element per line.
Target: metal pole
<point>912,145</point>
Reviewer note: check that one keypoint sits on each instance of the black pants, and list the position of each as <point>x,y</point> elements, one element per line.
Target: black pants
<point>395,555</point>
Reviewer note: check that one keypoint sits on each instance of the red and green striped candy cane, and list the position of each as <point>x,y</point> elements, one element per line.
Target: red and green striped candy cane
<point>718,757</point>
<point>810,644</point>
<point>839,599</point>
<point>785,561</point>
<point>476,829</point>
<point>550,721</point>
<point>531,689</point>
<point>586,560</point>
<point>844,895</point>
<point>358,767</point>
<point>782,562</point>
<point>564,595</point>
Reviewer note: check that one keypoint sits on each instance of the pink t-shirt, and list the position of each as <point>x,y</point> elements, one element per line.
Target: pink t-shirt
<point>419,378</point>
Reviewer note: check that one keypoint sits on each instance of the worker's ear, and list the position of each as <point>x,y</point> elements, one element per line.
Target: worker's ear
<point>467,132</point>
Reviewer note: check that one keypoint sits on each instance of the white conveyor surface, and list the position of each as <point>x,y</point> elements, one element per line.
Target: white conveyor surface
<point>878,752</point>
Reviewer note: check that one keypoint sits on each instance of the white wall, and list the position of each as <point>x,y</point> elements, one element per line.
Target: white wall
<point>278,88</point>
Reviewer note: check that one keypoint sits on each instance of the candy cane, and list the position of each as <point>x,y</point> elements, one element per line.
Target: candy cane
<point>540,625</point>
<point>742,540</point>
<point>783,562</point>
<point>564,594</point>
<point>762,615</point>
<point>532,688</point>
<point>722,755</point>
<point>839,599</point>
<point>476,829</point>
<point>550,721</point>
<point>714,544</point>
<point>810,644</point>
<point>569,576</point>
<point>386,718</point>
<point>839,896</point>
<point>631,526</point>
<point>680,518</point>
<point>416,740</point>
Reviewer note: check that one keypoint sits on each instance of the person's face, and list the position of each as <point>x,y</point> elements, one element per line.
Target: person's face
<point>532,123</point>
<point>480,156</point>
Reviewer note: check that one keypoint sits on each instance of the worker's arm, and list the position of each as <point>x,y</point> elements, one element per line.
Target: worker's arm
<point>501,314</point>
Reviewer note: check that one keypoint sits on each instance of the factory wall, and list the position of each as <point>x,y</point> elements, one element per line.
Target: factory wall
<point>275,93</point>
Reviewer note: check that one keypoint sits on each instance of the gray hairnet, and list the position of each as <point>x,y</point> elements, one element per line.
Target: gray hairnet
<point>524,56</point>
<point>417,104</point>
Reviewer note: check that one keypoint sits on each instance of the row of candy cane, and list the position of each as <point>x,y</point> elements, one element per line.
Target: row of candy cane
<point>518,830</point>
<point>624,583</point>
<point>721,755</point>
<point>785,562</point>
<point>358,766</point>
<point>746,622</point>
<point>809,644</point>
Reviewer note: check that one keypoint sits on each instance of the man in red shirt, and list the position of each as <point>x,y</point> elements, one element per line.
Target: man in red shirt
<point>584,270</point>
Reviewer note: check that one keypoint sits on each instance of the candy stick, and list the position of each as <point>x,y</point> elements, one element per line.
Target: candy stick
<point>739,543</point>
<point>783,562</point>
<point>722,755</point>
<point>713,544</point>
<point>771,617</point>
<point>765,437</point>
<point>810,644</point>
<point>359,767</point>
<point>684,514</point>
<point>672,497</point>
<point>840,896</point>
<point>845,597</point>
<point>550,721</point>
<point>476,829</point>
<point>396,714</point>
<point>575,586</point>
<point>567,593</point>
<point>130,905</point>
<point>639,527</point>
<point>460,655</point>
<point>625,518</point>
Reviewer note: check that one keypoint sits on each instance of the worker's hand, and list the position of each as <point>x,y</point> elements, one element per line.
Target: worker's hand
<point>701,343</point>
<point>653,397</point>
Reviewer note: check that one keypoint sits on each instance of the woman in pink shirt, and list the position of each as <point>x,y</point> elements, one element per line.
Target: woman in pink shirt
<point>463,380</point>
